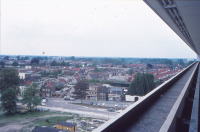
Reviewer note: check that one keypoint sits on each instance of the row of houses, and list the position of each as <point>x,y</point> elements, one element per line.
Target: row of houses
<point>98,92</point>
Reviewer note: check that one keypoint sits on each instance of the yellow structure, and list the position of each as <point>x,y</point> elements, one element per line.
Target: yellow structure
<point>67,126</point>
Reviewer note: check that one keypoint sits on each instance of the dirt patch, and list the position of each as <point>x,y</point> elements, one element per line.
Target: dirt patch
<point>11,127</point>
<point>22,125</point>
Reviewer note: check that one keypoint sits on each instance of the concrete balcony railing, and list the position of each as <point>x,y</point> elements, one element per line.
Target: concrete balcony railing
<point>125,119</point>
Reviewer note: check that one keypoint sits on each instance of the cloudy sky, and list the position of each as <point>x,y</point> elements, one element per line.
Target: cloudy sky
<point>87,28</point>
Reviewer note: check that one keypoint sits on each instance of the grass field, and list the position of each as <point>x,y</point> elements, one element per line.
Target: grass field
<point>52,121</point>
<point>21,116</point>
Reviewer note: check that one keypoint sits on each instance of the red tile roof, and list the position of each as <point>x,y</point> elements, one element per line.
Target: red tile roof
<point>66,68</point>
<point>49,83</point>
<point>76,69</point>
<point>28,83</point>
<point>61,80</point>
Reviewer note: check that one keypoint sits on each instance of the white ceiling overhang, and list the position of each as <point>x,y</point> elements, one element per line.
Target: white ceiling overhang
<point>182,16</point>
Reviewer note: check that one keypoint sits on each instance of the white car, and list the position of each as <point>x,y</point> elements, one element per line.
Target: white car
<point>43,104</point>
<point>103,104</point>
<point>44,101</point>
<point>119,111</point>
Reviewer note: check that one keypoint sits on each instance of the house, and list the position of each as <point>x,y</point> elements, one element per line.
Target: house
<point>79,75</point>
<point>72,127</point>
<point>119,78</point>
<point>35,76</point>
<point>70,80</point>
<point>92,76</point>
<point>116,94</point>
<point>92,92</point>
<point>102,94</point>
<point>47,88</point>
<point>23,86</point>
<point>47,129</point>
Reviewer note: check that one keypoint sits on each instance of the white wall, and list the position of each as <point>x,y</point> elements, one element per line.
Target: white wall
<point>28,67</point>
<point>22,75</point>
<point>131,98</point>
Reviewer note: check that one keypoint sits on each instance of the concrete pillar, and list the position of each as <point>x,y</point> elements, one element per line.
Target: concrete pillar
<point>198,57</point>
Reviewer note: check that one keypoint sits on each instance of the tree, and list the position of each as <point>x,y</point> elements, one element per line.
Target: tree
<point>149,66</point>
<point>31,96</point>
<point>80,88</point>
<point>124,66</point>
<point>53,63</point>
<point>2,63</point>
<point>130,71</point>
<point>59,87</point>
<point>44,63</point>
<point>18,57</point>
<point>59,71</point>
<point>40,58</point>
<point>142,84</point>
<point>85,64</point>
<point>15,63</point>
<point>6,58</point>
<point>34,64</point>
<point>94,64</point>
<point>45,58</point>
<point>72,58</point>
<point>62,63</point>
<point>8,100</point>
<point>67,64</point>
<point>35,60</point>
<point>9,79</point>
<point>180,62</point>
<point>190,62</point>
<point>77,65</point>
<point>58,64</point>
<point>54,74</point>
<point>26,58</point>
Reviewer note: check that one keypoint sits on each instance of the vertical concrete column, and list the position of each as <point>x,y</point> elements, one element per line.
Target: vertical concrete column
<point>198,57</point>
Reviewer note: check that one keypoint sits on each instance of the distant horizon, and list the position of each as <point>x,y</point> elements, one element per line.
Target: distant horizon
<point>91,56</point>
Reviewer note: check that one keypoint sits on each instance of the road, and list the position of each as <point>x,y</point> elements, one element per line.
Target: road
<point>59,104</point>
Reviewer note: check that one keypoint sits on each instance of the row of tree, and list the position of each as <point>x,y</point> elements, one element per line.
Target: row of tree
<point>142,84</point>
<point>54,63</point>
<point>9,88</point>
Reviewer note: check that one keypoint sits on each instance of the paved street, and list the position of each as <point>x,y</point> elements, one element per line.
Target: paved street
<point>59,104</point>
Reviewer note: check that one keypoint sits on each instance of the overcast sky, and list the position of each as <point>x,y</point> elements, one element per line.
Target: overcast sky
<point>87,28</point>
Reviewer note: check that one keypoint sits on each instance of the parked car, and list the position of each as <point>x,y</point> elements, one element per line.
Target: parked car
<point>94,103</point>
<point>66,98</point>
<point>119,111</point>
<point>103,104</point>
<point>19,99</point>
<point>111,110</point>
<point>44,101</point>
<point>72,99</point>
<point>91,103</point>
<point>43,104</point>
